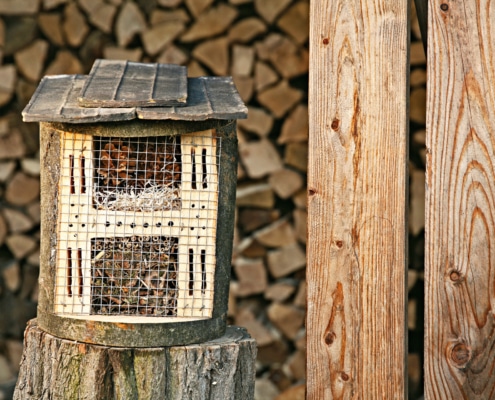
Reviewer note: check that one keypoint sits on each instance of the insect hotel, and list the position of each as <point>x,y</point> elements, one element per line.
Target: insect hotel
<point>138,190</point>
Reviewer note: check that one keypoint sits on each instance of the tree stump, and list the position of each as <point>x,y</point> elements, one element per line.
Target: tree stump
<point>54,368</point>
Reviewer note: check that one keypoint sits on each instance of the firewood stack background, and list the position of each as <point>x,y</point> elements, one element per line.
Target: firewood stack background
<point>263,44</point>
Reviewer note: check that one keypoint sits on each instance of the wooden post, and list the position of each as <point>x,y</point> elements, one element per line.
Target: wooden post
<point>61,369</point>
<point>357,194</point>
<point>460,195</point>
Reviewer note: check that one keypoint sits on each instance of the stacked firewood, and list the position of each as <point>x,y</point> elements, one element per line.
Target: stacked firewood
<point>263,45</point>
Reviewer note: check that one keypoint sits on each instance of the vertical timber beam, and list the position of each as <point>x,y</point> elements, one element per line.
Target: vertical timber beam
<point>460,201</point>
<point>357,199</point>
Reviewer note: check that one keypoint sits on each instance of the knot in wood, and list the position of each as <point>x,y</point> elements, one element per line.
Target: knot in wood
<point>444,7</point>
<point>455,276</point>
<point>344,376</point>
<point>460,355</point>
<point>330,338</point>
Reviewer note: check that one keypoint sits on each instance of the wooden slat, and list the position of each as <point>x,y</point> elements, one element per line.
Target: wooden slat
<point>115,83</point>
<point>55,100</point>
<point>208,97</point>
<point>199,209</point>
<point>356,346</point>
<point>460,198</point>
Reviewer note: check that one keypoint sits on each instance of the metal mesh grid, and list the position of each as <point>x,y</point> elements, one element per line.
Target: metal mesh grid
<point>137,225</point>
<point>137,174</point>
<point>134,275</point>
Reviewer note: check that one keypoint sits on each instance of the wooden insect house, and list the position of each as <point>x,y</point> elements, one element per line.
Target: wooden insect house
<point>138,191</point>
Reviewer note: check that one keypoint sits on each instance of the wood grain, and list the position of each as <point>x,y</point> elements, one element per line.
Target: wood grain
<point>357,195</point>
<point>460,195</point>
<point>61,369</point>
<point>55,100</point>
<point>115,83</point>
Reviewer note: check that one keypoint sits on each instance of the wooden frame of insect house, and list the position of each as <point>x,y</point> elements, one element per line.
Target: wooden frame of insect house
<point>137,203</point>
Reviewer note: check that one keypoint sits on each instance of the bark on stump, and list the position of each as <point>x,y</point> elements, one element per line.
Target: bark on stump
<point>54,368</point>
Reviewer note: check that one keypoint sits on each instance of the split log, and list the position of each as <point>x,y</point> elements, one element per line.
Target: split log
<point>51,25</point>
<point>270,10</point>
<point>259,158</point>
<point>30,60</point>
<point>242,60</point>
<point>251,219</point>
<point>296,126</point>
<point>18,7</point>
<point>260,333</point>
<point>288,319</point>
<point>130,22</point>
<point>7,83</point>
<point>288,59</point>
<point>280,291</point>
<point>156,38</point>
<point>196,7</point>
<point>64,63</point>
<point>285,260</point>
<point>285,182</point>
<point>264,76</point>
<point>58,368</point>
<point>245,87</point>
<point>21,245</point>
<point>278,234</point>
<point>280,98</point>
<point>75,27</point>
<point>17,221</point>
<point>6,170</point>
<point>211,23</point>
<point>11,145</point>
<point>214,54</point>
<point>258,121</point>
<point>11,275</point>
<point>296,155</point>
<point>22,189</point>
<point>295,22</point>
<point>246,29</point>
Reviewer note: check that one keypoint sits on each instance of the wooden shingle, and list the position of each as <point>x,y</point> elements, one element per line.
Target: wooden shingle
<point>115,83</point>
<point>55,100</point>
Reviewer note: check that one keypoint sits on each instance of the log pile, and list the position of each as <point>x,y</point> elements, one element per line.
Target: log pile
<point>263,45</point>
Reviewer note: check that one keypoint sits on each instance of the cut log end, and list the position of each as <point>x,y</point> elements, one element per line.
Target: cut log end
<point>219,369</point>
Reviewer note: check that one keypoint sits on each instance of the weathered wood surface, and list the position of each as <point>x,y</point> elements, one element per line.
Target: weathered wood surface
<point>357,192</point>
<point>55,100</point>
<point>60,369</point>
<point>113,83</point>
<point>208,97</point>
<point>460,195</point>
<point>132,332</point>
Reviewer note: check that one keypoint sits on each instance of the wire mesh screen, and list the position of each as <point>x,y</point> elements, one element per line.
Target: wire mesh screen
<point>137,174</point>
<point>137,225</point>
<point>134,275</point>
